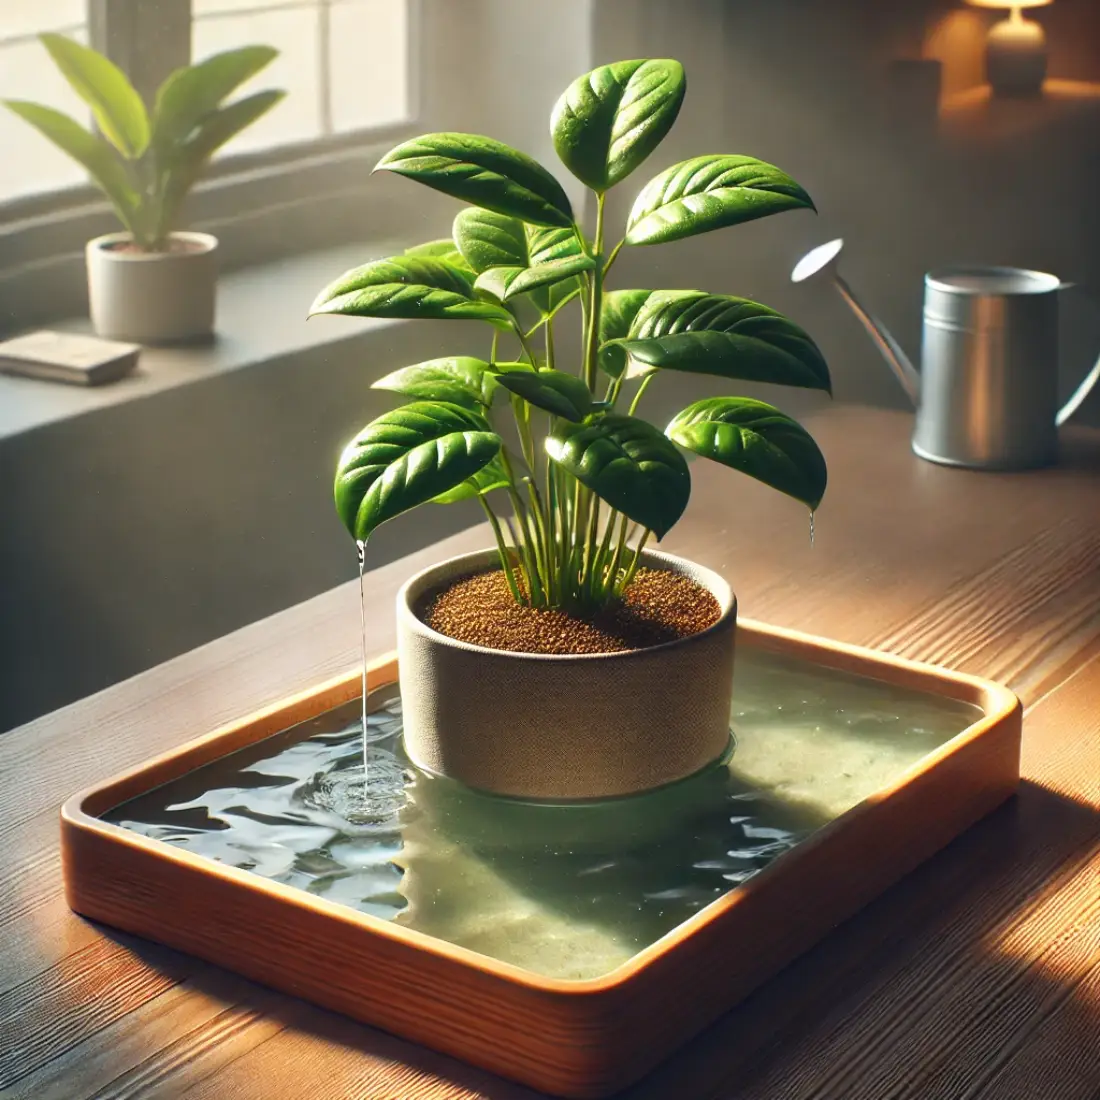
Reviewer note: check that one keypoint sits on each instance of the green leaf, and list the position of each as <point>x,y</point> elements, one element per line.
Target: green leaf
<point>617,314</point>
<point>408,457</point>
<point>708,193</point>
<point>458,379</point>
<point>609,120</point>
<point>408,287</point>
<point>725,336</point>
<point>506,283</point>
<point>444,250</point>
<point>629,464</point>
<point>756,439</point>
<point>484,481</point>
<point>485,172</point>
<point>115,104</point>
<point>185,161</point>
<point>191,93</point>
<point>544,245</point>
<point>488,240</point>
<point>556,392</point>
<point>88,150</point>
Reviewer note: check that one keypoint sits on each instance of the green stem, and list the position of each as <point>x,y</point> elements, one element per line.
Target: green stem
<point>613,257</point>
<point>641,389</point>
<point>502,549</point>
<point>595,303</point>
<point>613,568</point>
<point>550,344</point>
<point>633,567</point>
<point>527,349</point>
<point>525,543</point>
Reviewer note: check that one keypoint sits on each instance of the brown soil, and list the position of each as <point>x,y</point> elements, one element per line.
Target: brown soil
<point>658,607</point>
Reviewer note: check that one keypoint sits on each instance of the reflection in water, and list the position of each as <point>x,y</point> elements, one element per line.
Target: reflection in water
<point>565,890</point>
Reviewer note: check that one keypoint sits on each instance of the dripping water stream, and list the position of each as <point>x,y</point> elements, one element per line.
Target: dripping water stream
<point>368,792</point>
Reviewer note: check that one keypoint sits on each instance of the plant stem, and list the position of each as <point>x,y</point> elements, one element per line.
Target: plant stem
<point>633,567</point>
<point>502,550</point>
<point>595,302</point>
<point>641,389</point>
<point>613,257</point>
<point>527,349</point>
<point>620,546</point>
<point>549,344</point>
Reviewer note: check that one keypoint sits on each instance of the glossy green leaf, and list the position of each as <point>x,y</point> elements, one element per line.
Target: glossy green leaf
<point>458,379</point>
<point>444,250</point>
<point>620,307</point>
<point>408,457</point>
<point>89,150</point>
<point>486,480</point>
<point>627,463</point>
<point>193,92</point>
<point>485,172</point>
<point>710,192</point>
<point>609,120</point>
<point>488,240</point>
<point>116,106</point>
<point>546,244</point>
<point>506,283</point>
<point>408,287</point>
<point>725,336</point>
<point>756,439</point>
<point>554,391</point>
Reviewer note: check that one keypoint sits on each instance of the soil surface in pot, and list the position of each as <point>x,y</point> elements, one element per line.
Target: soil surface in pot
<point>658,607</point>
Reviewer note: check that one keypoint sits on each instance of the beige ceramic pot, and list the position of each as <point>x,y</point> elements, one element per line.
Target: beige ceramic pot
<point>153,297</point>
<point>541,726</point>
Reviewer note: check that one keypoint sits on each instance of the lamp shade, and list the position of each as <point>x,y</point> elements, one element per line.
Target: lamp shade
<point>1005,5</point>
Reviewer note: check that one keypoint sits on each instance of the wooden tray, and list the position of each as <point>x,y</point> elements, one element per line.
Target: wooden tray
<point>584,1038</point>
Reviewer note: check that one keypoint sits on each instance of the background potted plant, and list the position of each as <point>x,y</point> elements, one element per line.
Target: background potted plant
<point>511,694</point>
<point>151,283</point>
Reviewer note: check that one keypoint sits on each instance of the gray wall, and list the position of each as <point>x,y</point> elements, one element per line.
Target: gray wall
<point>152,527</point>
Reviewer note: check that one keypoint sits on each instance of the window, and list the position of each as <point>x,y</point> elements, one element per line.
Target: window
<point>30,163</point>
<point>345,64</point>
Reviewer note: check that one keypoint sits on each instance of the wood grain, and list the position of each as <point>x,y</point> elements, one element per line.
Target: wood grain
<point>899,542</point>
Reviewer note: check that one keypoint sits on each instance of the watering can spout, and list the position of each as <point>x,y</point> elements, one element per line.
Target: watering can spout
<point>821,262</point>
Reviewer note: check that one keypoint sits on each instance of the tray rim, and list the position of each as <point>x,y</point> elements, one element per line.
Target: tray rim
<point>80,811</point>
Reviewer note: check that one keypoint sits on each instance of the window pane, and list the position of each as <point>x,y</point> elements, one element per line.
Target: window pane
<point>30,162</point>
<point>344,62</point>
<point>369,51</point>
<point>293,31</point>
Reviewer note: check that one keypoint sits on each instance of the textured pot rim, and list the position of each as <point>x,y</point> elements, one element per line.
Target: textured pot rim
<point>101,246</point>
<point>714,582</point>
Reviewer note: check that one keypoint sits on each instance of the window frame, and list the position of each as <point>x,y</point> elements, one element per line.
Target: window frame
<point>43,230</point>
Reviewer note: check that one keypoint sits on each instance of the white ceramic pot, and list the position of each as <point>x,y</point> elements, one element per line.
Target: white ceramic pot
<point>542,726</point>
<point>153,297</point>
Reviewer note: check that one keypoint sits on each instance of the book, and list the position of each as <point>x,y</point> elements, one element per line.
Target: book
<point>67,357</point>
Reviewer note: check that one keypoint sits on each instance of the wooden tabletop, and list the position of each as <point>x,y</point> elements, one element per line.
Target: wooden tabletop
<point>976,977</point>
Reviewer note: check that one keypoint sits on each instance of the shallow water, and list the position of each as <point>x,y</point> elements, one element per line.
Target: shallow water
<point>566,891</point>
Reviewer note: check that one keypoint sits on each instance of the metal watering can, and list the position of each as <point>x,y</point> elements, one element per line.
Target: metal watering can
<point>986,393</point>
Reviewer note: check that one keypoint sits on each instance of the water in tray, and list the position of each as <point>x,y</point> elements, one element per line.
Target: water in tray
<point>566,891</point>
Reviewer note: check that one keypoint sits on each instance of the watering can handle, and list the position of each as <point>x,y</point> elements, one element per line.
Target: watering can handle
<point>1078,398</point>
<point>1069,409</point>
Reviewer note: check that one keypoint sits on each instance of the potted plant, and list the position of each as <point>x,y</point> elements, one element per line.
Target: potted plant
<point>572,661</point>
<point>151,283</point>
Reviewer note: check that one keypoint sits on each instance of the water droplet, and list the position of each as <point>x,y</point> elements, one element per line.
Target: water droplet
<point>811,527</point>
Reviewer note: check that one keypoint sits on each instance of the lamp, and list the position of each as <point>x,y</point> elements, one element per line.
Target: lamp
<point>1016,49</point>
